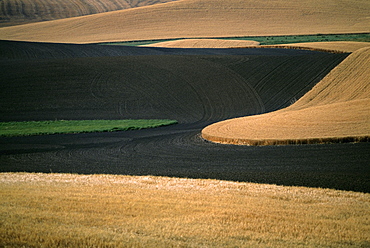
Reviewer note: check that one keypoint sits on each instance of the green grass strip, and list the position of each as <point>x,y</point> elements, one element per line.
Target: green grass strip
<point>287,39</point>
<point>28,128</point>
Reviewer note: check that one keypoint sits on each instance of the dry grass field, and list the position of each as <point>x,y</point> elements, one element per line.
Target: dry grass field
<point>66,210</point>
<point>17,12</point>
<point>330,46</point>
<point>336,46</point>
<point>335,110</point>
<point>200,18</point>
<point>204,43</point>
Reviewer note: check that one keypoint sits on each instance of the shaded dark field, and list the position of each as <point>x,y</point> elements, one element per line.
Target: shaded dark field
<point>194,86</point>
<point>33,50</point>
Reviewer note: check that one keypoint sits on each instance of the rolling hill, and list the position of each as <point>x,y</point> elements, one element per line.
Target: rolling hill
<point>19,12</point>
<point>197,87</point>
<point>335,110</point>
<point>202,18</point>
<point>93,81</point>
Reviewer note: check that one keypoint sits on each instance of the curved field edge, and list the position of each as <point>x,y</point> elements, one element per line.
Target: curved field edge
<point>60,210</point>
<point>272,142</point>
<point>335,110</point>
<point>328,46</point>
<point>205,43</point>
<point>196,18</point>
<point>27,128</point>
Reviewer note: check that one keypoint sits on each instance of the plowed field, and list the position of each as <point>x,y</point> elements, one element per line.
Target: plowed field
<point>49,81</point>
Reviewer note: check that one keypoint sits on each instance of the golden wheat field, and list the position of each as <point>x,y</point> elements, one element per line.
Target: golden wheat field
<point>330,46</point>
<point>336,46</point>
<point>199,18</point>
<point>17,12</point>
<point>336,109</point>
<point>205,43</point>
<point>65,210</point>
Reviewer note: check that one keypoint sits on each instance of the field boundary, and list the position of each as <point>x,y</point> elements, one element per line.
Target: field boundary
<point>273,142</point>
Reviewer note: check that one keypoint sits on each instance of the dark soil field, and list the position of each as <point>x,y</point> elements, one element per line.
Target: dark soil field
<point>196,87</point>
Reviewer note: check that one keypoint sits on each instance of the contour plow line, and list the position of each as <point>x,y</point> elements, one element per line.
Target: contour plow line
<point>337,109</point>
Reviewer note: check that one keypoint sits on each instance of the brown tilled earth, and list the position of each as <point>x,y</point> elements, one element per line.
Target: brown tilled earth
<point>27,11</point>
<point>199,18</point>
<point>336,109</point>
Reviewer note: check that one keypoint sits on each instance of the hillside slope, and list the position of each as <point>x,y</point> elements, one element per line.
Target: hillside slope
<point>54,81</point>
<point>93,81</point>
<point>16,12</point>
<point>336,109</point>
<point>202,18</point>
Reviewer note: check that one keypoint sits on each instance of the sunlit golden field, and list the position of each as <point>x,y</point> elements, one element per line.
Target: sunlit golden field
<point>17,12</point>
<point>336,46</point>
<point>202,18</point>
<point>205,43</point>
<point>66,210</point>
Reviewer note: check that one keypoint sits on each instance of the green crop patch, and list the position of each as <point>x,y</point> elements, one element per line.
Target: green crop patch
<point>28,128</point>
<point>287,39</point>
